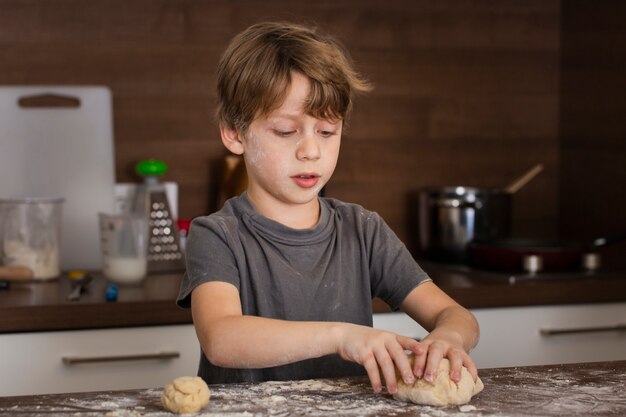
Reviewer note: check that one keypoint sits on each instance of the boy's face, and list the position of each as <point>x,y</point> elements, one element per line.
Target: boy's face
<point>290,155</point>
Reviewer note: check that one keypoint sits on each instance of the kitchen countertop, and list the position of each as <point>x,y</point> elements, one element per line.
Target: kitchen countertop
<point>42,306</point>
<point>589,389</point>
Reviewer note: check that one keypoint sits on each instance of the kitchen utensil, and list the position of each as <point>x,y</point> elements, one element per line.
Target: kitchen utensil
<point>451,217</point>
<point>111,292</point>
<point>79,286</point>
<point>515,186</point>
<point>57,141</point>
<point>30,235</point>
<point>509,254</point>
<point>164,252</point>
<point>124,245</point>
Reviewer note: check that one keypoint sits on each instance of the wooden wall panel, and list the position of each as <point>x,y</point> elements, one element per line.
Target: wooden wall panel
<point>593,142</point>
<point>465,91</point>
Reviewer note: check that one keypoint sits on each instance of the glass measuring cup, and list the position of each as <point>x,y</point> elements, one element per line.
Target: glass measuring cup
<point>30,233</point>
<point>124,247</point>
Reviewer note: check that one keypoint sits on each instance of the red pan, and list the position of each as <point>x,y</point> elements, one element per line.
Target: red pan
<point>509,254</point>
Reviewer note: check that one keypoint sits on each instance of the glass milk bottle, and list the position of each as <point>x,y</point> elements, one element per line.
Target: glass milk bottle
<point>124,245</point>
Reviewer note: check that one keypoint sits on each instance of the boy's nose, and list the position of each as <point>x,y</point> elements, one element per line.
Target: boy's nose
<point>308,148</point>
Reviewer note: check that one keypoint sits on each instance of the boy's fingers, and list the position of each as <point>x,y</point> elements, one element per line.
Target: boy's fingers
<point>371,366</point>
<point>401,362</point>
<point>419,353</point>
<point>419,362</point>
<point>471,367</point>
<point>456,362</point>
<point>410,344</point>
<point>388,369</point>
<point>432,362</point>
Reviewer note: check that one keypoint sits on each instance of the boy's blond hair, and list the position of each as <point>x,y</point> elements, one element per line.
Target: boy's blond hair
<point>255,72</point>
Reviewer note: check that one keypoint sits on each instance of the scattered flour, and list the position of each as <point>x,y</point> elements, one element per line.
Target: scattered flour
<point>467,408</point>
<point>278,398</point>
<point>511,392</point>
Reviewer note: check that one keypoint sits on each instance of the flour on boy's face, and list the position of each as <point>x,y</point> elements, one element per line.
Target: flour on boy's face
<point>290,155</point>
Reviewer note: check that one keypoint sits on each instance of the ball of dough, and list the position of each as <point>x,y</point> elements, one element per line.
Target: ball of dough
<point>186,394</point>
<point>442,391</point>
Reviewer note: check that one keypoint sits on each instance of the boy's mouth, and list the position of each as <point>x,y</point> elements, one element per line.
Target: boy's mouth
<point>306,180</point>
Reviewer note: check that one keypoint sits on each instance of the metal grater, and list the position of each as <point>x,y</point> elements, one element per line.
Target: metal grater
<point>164,253</point>
<point>164,249</point>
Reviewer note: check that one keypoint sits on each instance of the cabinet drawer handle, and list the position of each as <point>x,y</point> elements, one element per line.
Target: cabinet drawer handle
<point>74,360</point>
<point>554,332</point>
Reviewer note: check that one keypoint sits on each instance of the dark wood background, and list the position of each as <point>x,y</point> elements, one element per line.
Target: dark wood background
<point>466,93</point>
<point>592,186</point>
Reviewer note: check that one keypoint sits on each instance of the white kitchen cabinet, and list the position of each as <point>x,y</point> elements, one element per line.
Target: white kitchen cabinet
<point>93,360</point>
<point>537,335</point>
<point>68,361</point>
<point>546,335</point>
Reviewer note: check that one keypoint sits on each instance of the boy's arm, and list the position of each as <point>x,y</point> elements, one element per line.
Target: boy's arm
<point>453,331</point>
<point>232,340</point>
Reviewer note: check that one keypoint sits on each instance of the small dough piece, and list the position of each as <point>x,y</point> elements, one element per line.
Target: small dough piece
<point>442,391</point>
<point>186,394</point>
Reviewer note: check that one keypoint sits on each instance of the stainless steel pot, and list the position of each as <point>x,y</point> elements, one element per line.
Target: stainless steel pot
<point>451,217</point>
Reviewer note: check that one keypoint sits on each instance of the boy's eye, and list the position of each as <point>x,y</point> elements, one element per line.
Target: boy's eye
<point>284,133</point>
<point>326,133</point>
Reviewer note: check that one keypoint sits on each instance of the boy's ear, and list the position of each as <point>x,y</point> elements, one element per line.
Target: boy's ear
<point>231,139</point>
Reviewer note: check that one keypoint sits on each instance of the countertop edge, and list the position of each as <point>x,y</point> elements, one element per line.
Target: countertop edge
<point>154,304</point>
<point>92,316</point>
<point>163,313</point>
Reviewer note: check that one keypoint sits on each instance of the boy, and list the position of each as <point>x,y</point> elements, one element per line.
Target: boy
<point>280,281</point>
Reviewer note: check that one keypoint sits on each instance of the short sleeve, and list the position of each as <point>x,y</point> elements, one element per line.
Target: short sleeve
<point>208,256</point>
<point>394,271</point>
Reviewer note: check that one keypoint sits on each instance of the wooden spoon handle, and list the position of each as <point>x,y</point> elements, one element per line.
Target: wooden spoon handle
<point>524,179</point>
<point>16,273</point>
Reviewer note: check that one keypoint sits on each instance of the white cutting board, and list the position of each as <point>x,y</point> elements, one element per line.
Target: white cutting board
<point>61,151</point>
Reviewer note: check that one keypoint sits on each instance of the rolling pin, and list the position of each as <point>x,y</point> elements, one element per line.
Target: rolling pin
<point>16,273</point>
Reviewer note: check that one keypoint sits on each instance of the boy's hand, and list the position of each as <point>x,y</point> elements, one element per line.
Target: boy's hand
<point>442,344</point>
<point>453,330</point>
<point>379,351</point>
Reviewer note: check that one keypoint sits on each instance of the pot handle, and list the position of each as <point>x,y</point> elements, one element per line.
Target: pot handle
<point>608,240</point>
<point>457,203</point>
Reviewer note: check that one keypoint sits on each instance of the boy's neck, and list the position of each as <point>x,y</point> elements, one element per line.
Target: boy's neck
<point>295,216</point>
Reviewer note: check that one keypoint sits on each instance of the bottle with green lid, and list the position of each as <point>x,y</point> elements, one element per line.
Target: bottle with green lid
<point>164,252</point>
<point>151,170</point>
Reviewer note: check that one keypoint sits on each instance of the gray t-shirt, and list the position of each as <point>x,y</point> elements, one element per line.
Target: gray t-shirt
<point>330,272</point>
